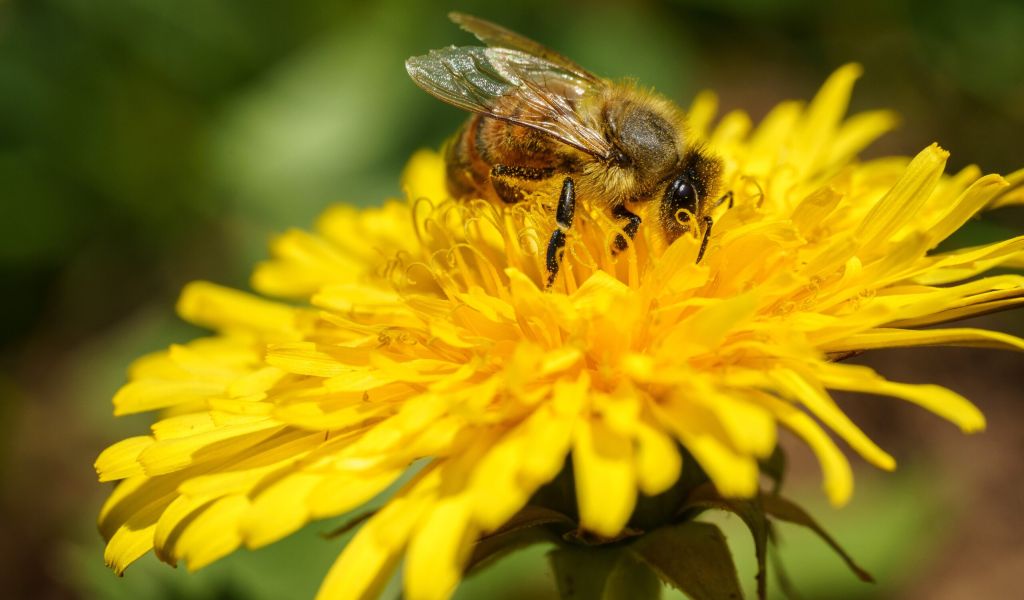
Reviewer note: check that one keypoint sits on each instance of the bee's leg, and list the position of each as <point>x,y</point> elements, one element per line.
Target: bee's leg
<point>726,197</point>
<point>563,219</point>
<point>708,222</point>
<point>507,181</point>
<point>619,211</point>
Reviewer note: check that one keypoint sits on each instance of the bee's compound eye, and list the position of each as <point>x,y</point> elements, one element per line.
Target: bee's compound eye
<point>681,195</point>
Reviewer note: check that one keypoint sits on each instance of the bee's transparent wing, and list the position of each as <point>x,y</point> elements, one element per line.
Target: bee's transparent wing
<point>493,34</point>
<point>513,86</point>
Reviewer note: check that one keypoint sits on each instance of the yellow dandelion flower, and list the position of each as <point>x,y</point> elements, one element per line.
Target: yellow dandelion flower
<point>422,332</point>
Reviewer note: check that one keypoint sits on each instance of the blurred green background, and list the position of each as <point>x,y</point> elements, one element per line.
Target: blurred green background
<point>147,143</point>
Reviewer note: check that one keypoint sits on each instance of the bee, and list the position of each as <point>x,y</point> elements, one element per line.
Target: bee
<point>543,124</point>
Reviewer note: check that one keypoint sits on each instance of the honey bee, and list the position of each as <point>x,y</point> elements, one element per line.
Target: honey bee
<point>542,122</point>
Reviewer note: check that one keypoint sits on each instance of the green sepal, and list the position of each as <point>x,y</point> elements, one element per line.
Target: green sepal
<point>784,510</point>
<point>688,555</point>
<point>602,573</point>
<point>531,525</point>
<point>692,557</point>
<point>349,525</point>
<point>752,515</point>
<point>775,468</point>
<point>782,578</point>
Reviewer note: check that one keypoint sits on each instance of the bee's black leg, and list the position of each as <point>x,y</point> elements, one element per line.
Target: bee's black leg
<point>563,219</point>
<point>619,211</point>
<point>726,197</point>
<point>708,222</point>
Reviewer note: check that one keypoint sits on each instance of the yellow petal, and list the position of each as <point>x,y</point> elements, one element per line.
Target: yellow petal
<point>857,132</point>
<point>366,563</point>
<point>927,306</point>
<point>549,435</point>
<point>731,130</point>
<point>223,442</point>
<point>709,326</point>
<point>217,307</point>
<point>658,462</point>
<point>149,394</point>
<point>213,533</point>
<point>772,133</point>
<point>836,472</point>
<point>136,495</point>
<point>132,540</point>
<point>274,455</point>
<point>1013,195</point>
<point>733,473</point>
<point>255,382</point>
<point>302,265</point>
<point>700,114</point>
<point>605,477</point>
<point>751,428</point>
<point>814,209</point>
<point>961,264</point>
<point>354,413</point>
<point>192,424</point>
<point>280,508</point>
<point>438,550</point>
<point>252,406</point>
<point>424,176</point>
<point>956,313</point>
<point>901,204</point>
<point>907,338</point>
<point>338,493</point>
<point>307,358</point>
<point>121,460</point>
<point>597,294</point>
<point>817,129</point>
<point>495,493</point>
<point>822,406</point>
<point>968,204</point>
<point>366,234</point>
<point>945,403</point>
<point>358,298</point>
<point>172,523</point>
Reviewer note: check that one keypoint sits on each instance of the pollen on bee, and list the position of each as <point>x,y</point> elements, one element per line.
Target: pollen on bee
<point>684,217</point>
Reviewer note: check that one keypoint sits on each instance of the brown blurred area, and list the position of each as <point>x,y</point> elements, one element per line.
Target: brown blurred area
<point>148,143</point>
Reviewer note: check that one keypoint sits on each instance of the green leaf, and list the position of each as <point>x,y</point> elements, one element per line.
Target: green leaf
<point>784,510</point>
<point>602,573</point>
<point>693,557</point>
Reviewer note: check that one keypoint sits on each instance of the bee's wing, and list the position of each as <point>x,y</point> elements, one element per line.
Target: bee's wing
<point>493,34</point>
<point>513,86</point>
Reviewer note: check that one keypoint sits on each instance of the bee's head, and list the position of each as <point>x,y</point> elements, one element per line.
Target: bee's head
<point>689,190</point>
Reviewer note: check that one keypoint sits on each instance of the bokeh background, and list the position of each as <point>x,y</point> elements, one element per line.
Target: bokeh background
<point>147,143</point>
